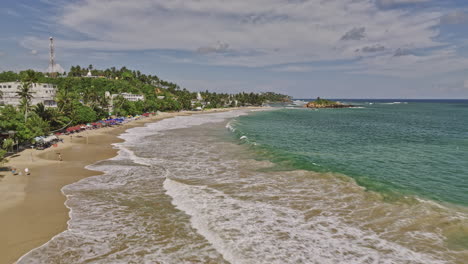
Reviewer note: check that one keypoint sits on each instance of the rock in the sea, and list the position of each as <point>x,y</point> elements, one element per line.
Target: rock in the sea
<point>320,103</point>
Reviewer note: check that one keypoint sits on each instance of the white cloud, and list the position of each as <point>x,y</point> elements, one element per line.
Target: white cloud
<point>466,84</point>
<point>57,68</point>
<point>2,53</point>
<point>402,52</point>
<point>455,17</point>
<point>389,3</point>
<point>295,68</point>
<point>237,86</point>
<point>220,47</point>
<point>10,12</point>
<point>355,34</point>
<point>411,66</point>
<point>254,33</point>
<point>373,48</point>
<point>34,52</point>
<point>216,85</point>
<point>309,68</point>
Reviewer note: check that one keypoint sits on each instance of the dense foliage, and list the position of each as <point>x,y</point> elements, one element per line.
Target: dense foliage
<point>82,99</point>
<point>324,102</point>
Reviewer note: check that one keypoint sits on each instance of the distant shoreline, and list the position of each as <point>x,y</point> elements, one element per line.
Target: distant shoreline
<point>390,100</point>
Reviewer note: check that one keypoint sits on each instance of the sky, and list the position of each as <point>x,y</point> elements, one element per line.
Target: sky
<point>304,48</point>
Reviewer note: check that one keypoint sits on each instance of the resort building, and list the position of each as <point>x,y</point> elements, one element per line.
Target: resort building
<point>131,97</point>
<point>41,92</point>
<point>199,103</point>
<point>127,96</point>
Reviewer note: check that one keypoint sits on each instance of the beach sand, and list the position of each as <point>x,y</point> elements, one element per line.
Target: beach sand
<point>32,208</point>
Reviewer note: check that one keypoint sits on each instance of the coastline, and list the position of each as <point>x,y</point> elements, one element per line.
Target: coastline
<point>32,208</point>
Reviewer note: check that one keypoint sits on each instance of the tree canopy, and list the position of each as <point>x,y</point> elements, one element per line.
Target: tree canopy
<point>81,99</point>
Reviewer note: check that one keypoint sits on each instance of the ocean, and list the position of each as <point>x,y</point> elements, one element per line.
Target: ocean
<point>384,182</point>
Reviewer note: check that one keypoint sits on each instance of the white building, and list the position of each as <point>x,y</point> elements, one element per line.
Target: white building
<point>127,96</point>
<point>41,92</point>
<point>131,97</point>
<point>90,75</point>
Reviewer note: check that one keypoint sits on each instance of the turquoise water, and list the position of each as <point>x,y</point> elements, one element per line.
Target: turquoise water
<point>183,190</point>
<point>414,148</point>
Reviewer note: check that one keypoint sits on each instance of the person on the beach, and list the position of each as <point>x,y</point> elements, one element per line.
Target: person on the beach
<point>26,171</point>
<point>60,156</point>
<point>13,170</point>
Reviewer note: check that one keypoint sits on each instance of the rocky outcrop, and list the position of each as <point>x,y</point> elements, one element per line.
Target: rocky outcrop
<point>314,104</point>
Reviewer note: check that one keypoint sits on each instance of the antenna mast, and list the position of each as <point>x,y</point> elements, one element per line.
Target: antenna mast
<point>52,56</point>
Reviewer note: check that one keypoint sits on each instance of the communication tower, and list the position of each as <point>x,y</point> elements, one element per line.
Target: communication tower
<point>52,56</point>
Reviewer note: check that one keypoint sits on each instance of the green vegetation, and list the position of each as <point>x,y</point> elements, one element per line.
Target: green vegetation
<point>325,102</point>
<point>2,156</point>
<point>83,100</point>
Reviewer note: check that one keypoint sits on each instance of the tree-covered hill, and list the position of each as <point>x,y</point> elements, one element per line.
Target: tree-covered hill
<point>81,99</point>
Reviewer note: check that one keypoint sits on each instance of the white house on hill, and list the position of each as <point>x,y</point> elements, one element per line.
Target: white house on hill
<point>127,96</point>
<point>131,97</point>
<point>41,92</point>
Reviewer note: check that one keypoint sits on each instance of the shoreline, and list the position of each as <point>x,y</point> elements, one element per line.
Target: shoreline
<point>32,209</point>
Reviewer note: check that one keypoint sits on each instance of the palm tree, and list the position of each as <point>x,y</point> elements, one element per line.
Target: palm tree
<point>25,106</point>
<point>8,144</point>
<point>25,91</point>
<point>117,102</point>
<point>2,154</point>
<point>37,126</point>
<point>42,111</point>
<point>91,97</point>
<point>65,100</point>
<point>104,101</point>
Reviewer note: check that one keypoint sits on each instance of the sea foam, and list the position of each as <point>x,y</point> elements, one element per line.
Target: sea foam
<point>254,232</point>
<point>175,195</point>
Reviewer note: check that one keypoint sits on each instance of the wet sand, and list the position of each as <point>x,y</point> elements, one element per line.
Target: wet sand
<point>32,208</point>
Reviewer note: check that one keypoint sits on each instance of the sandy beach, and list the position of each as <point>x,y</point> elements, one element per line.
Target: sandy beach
<point>32,208</point>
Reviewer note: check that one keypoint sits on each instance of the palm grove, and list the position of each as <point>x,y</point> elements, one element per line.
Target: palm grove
<point>82,100</point>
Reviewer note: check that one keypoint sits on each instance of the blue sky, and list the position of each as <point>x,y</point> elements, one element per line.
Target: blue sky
<point>305,48</point>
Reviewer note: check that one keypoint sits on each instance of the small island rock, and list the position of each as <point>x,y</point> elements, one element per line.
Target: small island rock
<point>323,103</point>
